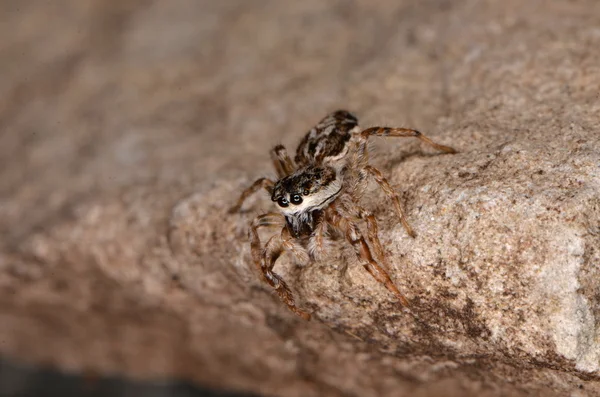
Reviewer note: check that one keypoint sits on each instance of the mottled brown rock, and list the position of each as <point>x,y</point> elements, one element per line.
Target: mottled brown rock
<point>128,128</point>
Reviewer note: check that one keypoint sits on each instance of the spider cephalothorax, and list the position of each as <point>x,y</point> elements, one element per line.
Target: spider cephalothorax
<point>302,195</point>
<point>321,191</point>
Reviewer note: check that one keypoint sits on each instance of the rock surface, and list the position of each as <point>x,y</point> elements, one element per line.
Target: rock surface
<point>128,128</point>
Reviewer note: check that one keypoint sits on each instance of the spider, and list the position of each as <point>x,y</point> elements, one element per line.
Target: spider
<point>318,193</point>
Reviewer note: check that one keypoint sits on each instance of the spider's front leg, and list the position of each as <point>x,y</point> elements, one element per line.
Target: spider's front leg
<point>265,258</point>
<point>283,165</point>
<point>353,235</point>
<point>264,183</point>
<point>282,162</point>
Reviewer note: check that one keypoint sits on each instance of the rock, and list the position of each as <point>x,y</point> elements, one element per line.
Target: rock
<point>128,129</point>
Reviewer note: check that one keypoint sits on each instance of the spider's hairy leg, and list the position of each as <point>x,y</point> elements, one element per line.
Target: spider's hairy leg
<point>391,193</point>
<point>275,219</point>
<point>291,245</point>
<point>353,235</point>
<point>372,233</point>
<point>358,212</point>
<point>403,132</point>
<point>264,259</point>
<point>317,244</point>
<point>282,162</point>
<point>269,219</point>
<point>264,183</point>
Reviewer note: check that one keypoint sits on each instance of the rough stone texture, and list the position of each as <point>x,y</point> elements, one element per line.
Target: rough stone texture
<point>127,129</point>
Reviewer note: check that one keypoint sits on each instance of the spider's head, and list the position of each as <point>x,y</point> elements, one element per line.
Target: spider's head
<point>308,189</point>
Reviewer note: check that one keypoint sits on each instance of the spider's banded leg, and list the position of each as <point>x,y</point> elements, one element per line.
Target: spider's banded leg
<point>364,253</point>
<point>372,233</point>
<point>264,220</point>
<point>268,219</point>
<point>316,244</point>
<point>264,183</point>
<point>391,193</point>
<point>273,249</point>
<point>403,132</point>
<point>264,259</point>
<point>281,161</point>
<point>271,219</point>
<point>290,244</point>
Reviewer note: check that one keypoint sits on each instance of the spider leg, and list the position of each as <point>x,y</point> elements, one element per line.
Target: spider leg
<point>316,244</point>
<point>265,258</point>
<point>392,195</point>
<point>361,163</point>
<point>363,252</point>
<point>271,219</point>
<point>268,219</point>
<point>358,212</point>
<point>281,161</point>
<point>264,220</point>
<point>291,245</point>
<point>372,233</point>
<point>264,183</point>
<point>403,132</point>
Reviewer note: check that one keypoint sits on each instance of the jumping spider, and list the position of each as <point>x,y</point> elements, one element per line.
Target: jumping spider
<point>321,191</point>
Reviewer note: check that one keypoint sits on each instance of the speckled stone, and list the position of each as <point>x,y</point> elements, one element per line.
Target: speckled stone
<point>128,128</point>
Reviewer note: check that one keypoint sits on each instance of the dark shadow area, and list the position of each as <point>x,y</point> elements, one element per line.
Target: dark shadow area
<point>18,380</point>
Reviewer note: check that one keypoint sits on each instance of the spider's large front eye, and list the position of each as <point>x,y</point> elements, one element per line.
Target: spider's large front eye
<point>296,199</point>
<point>283,202</point>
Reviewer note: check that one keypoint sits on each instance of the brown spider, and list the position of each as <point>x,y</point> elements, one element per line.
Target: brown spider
<point>322,191</point>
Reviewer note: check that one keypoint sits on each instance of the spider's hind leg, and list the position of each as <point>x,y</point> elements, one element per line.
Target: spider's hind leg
<point>405,133</point>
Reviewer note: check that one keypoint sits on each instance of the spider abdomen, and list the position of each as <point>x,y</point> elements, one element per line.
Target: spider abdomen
<point>328,140</point>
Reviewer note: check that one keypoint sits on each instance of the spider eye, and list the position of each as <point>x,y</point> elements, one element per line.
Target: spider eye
<point>283,202</point>
<point>305,192</point>
<point>296,199</point>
